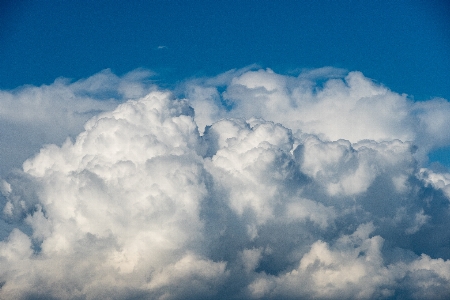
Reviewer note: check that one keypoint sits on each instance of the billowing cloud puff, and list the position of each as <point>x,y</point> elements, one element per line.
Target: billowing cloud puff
<point>323,102</point>
<point>255,185</point>
<point>32,116</point>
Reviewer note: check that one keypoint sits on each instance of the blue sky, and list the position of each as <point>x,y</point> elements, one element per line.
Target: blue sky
<point>224,149</point>
<point>402,44</point>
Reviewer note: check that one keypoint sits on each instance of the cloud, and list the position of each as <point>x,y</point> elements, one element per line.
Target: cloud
<point>277,194</point>
<point>325,102</point>
<point>32,116</point>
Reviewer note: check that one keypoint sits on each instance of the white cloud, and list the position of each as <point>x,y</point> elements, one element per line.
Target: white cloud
<point>342,108</point>
<point>280,196</point>
<point>439,181</point>
<point>32,116</point>
<point>324,102</point>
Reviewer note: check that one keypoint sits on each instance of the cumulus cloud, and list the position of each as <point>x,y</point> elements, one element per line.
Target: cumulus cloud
<point>252,185</point>
<point>325,102</point>
<point>31,116</point>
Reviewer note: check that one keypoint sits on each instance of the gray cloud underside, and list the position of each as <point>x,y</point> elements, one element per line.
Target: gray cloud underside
<point>278,187</point>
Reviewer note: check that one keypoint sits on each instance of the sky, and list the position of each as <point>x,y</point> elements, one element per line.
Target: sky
<point>402,44</point>
<point>224,149</point>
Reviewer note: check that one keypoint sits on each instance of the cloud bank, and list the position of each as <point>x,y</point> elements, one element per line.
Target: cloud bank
<point>248,185</point>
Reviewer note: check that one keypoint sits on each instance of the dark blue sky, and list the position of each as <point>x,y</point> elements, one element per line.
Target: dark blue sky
<point>403,44</point>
